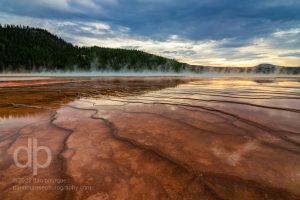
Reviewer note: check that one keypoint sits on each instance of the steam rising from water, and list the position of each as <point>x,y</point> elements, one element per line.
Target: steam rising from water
<point>5,76</point>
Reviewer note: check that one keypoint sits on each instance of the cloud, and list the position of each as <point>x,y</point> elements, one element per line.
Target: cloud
<point>214,32</point>
<point>191,19</point>
<point>293,54</point>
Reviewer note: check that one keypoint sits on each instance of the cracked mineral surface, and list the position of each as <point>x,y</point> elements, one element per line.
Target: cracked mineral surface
<point>151,138</point>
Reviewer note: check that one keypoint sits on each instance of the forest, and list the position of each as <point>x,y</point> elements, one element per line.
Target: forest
<point>26,49</point>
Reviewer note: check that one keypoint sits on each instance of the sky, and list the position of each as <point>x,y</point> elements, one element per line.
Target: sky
<point>200,32</point>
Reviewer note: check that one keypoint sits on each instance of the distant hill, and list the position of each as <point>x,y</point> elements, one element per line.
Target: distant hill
<point>26,49</point>
<point>31,49</point>
<point>259,69</point>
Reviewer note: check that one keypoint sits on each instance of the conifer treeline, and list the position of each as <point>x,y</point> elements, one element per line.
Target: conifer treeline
<point>23,48</point>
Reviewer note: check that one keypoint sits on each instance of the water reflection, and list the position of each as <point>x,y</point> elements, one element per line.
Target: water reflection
<point>243,94</point>
<point>40,97</point>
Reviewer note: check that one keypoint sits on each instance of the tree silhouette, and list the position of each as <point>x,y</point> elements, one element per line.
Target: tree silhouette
<point>23,48</point>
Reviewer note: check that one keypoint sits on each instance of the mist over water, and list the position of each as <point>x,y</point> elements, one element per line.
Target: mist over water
<point>128,73</point>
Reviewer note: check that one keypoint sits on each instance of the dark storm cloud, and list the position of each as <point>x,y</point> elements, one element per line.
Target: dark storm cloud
<point>192,19</point>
